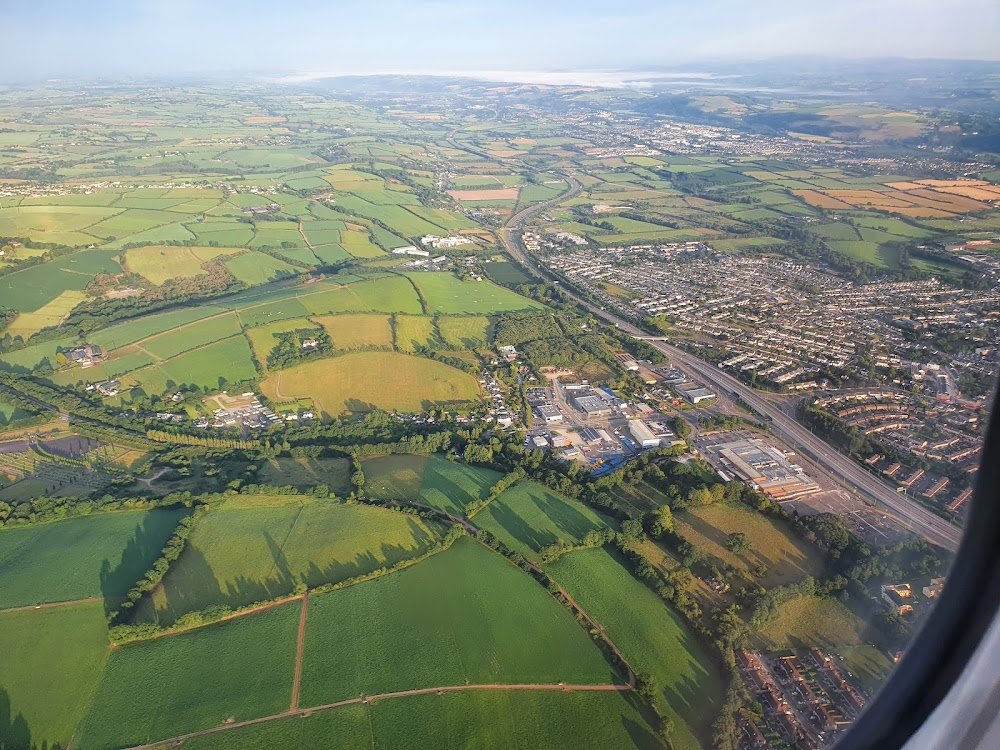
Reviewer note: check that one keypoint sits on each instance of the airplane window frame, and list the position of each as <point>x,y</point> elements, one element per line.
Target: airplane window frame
<point>937,656</point>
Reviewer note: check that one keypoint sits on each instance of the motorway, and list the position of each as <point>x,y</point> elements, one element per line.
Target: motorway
<point>916,517</point>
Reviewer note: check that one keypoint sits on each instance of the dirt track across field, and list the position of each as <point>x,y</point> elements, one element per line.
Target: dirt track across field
<point>52,605</point>
<point>370,698</point>
<point>299,648</point>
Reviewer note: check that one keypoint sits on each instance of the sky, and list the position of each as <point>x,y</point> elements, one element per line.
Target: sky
<point>66,38</point>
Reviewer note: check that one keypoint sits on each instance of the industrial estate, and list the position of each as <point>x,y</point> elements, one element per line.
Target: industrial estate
<point>469,414</point>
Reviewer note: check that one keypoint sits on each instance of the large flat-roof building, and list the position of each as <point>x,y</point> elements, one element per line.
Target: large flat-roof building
<point>764,468</point>
<point>593,406</point>
<point>550,414</point>
<point>695,394</point>
<point>644,436</point>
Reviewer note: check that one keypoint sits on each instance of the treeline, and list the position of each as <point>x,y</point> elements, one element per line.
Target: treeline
<point>171,551</point>
<point>47,509</point>
<point>121,631</point>
<point>209,441</point>
<point>501,485</point>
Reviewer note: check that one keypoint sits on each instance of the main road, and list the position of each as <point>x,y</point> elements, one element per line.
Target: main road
<point>918,518</point>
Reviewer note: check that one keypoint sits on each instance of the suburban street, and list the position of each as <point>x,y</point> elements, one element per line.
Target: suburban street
<point>919,519</point>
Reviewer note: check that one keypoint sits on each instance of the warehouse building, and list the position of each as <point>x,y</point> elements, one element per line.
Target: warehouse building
<point>695,394</point>
<point>644,436</point>
<point>550,414</point>
<point>593,406</point>
<point>764,468</point>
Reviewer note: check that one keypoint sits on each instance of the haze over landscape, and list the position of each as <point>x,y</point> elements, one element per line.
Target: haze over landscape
<point>60,38</point>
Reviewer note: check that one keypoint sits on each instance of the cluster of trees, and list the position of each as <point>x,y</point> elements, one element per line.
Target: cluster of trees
<point>459,364</point>
<point>591,539</point>
<point>288,351</point>
<point>99,311</point>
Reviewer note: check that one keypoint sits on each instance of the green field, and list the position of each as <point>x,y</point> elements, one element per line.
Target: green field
<point>48,315</point>
<point>432,480</point>
<point>413,331</point>
<point>160,263</point>
<point>446,293</point>
<point>358,331</point>
<point>651,637</point>
<point>305,473</point>
<point>395,477</point>
<point>505,272</point>
<point>772,544</point>
<point>211,367</point>
<point>50,663</point>
<point>257,268</point>
<point>123,334</point>
<point>529,516</point>
<point>494,720</point>
<point>451,485</point>
<point>387,294</point>
<point>465,332</point>
<point>238,669</point>
<point>91,556</point>
<point>10,412</point>
<point>34,287</point>
<point>462,615</point>
<point>258,548</point>
<point>385,380</point>
<point>192,336</point>
<point>870,665</point>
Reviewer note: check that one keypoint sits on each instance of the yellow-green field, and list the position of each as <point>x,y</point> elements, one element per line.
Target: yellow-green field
<point>49,315</point>
<point>771,544</point>
<point>384,380</point>
<point>161,262</point>
<point>357,331</point>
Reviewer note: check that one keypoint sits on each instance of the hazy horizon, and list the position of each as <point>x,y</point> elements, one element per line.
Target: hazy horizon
<point>59,38</point>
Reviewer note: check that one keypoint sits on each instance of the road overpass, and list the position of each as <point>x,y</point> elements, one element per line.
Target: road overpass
<point>915,516</point>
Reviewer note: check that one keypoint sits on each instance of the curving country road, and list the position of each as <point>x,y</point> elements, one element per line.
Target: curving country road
<point>919,519</point>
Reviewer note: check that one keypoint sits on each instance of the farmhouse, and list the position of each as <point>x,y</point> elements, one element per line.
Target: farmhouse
<point>109,388</point>
<point>86,355</point>
<point>310,344</point>
<point>933,591</point>
<point>509,352</point>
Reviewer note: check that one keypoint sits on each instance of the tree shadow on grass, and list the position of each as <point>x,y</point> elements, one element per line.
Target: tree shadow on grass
<point>15,734</point>
<point>138,556</point>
